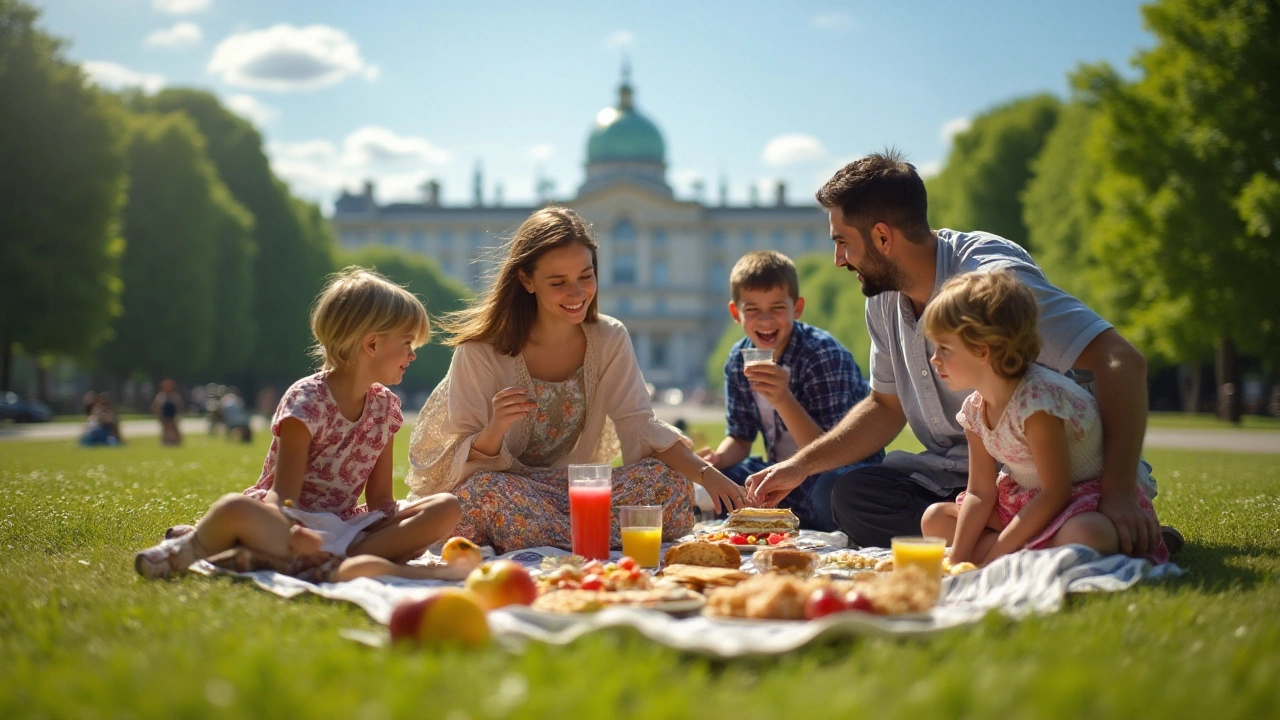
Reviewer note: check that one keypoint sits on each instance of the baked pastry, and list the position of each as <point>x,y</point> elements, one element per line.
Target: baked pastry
<point>762,521</point>
<point>707,554</point>
<point>698,577</point>
<point>586,601</point>
<point>785,560</point>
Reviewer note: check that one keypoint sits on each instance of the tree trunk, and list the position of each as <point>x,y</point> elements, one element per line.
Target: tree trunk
<point>1227,376</point>
<point>6,366</point>
<point>1189,387</point>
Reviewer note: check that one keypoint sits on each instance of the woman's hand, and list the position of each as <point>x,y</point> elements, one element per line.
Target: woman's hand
<point>711,456</point>
<point>724,492</point>
<point>510,405</point>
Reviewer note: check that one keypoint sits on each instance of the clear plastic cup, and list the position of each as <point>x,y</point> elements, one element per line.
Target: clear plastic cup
<point>756,356</point>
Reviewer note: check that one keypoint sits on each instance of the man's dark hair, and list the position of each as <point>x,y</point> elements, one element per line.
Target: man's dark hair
<point>881,187</point>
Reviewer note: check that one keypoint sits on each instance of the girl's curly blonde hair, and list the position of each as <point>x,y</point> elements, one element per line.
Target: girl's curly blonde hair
<point>356,302</point>
<point>992,310</point>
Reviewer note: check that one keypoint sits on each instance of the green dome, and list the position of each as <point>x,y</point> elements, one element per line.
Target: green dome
<point>623,135</point>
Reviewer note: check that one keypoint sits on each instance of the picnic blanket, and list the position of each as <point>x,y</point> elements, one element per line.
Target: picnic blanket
<point>1026,583</point>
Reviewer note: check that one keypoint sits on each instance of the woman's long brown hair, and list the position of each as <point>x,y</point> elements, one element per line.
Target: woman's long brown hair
<point>504,315</point>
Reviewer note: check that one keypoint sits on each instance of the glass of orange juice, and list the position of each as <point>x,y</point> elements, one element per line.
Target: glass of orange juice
<point>641,527</point>
<point>922,552</point>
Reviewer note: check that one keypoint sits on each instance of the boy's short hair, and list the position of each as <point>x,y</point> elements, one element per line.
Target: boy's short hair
<point>764,270</point>
<point>356,302</point>
<point>989,309</point>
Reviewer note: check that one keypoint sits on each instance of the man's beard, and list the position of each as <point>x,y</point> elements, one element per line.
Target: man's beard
<point>879,275</point>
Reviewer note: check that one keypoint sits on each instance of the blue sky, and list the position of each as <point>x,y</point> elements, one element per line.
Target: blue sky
<point>750,91</point>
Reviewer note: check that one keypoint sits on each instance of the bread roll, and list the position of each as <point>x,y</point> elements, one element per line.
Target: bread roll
<point>706,554</point>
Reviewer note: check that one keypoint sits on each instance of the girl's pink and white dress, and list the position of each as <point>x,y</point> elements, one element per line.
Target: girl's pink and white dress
<point>341,457</point>
<point>1044,390</point>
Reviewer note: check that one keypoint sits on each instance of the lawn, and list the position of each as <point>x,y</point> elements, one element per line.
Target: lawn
<point>83,637</point>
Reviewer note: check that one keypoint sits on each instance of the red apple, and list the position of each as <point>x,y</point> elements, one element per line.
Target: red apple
<point>449,615</point>
<point>823,602</point>
<point>503,583</point>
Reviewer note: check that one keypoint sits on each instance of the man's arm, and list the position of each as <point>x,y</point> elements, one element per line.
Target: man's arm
<point>1120,386</point>
<point>865,429</point>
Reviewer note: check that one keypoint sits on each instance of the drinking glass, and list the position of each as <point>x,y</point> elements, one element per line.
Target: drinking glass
<point>590,494</point>
<point>641,533</point>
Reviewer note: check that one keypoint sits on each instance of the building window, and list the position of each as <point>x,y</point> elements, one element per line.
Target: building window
<point>622,306</point>
<point>719,275</point>
<point>660,278</point>
<point>717,238</point>
<point>658,346</point>
<point>388,238</point>
<point>476,238</point>
<point>419,241</point>
<point>660,306</point>
<point>810,240</point>
<point>779,239</point>
<point>624,231</point>
<point>659,237</point>
<point>748,240</point>
<point>446,238</point>
<point>624,268</point>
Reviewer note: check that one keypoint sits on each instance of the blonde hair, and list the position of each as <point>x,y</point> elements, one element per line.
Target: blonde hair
<point>992,310</point>
<point>357,302</point>
<point>764,270</point>
<point>504,315</point>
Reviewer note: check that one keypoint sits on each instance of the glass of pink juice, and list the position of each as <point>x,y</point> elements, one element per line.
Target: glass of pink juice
<point>590,495</point>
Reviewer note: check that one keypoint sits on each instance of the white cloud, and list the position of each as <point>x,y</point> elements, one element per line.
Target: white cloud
<point>320,169</point>
<point>284,58</point>
<point>181,7</point>
<point>183,33</point>
<point>542,152</point>
<point>792,149</point>
<point>113,76</point>
<point>620,40</point>
<point>929,169</point>
<point>831,21</point>
<point>953,127</point>
<point>252,109</point>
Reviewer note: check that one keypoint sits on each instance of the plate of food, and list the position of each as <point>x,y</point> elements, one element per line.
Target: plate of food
<point>749,529</point>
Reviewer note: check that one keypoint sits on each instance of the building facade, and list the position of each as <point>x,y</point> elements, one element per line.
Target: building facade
<point>664,261</point>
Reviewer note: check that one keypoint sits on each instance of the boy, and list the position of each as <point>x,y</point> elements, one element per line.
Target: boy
<point>807,388</point>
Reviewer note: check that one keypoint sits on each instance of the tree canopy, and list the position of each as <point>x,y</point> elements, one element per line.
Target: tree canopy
<point>61,190</point>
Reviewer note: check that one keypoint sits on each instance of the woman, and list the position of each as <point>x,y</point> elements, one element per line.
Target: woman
<point>540,380</point>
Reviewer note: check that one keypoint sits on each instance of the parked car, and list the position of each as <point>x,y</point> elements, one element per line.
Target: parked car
<point>16,409</point>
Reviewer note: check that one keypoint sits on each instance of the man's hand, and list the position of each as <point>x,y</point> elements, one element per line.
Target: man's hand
<point>770,380</point>
<point>1139,532</point>
<point>768,487</point>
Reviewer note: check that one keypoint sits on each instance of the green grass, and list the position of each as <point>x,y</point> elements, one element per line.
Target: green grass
<point>1208,421</point>
<point>82,636</point>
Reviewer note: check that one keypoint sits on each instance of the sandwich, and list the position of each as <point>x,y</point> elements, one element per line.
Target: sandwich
<point>762,521</point>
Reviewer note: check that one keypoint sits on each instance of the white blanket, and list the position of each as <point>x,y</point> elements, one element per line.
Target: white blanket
<point>1018,585</point>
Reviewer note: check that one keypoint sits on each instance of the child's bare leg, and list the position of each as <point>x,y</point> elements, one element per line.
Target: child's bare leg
<point>409,535</point>
<point>1091,529</point>
<point>239,520</point>
<point>983,546</point>
<point>940,520</point>
<point>374,566</point>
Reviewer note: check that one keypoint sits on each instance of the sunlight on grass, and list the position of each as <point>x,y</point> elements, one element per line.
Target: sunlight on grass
<point>83,636</point>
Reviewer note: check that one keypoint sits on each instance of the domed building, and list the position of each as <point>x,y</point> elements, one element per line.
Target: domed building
<point>664,260</point>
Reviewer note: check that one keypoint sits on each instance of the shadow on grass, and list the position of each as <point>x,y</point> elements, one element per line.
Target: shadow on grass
<point>1215,568</point>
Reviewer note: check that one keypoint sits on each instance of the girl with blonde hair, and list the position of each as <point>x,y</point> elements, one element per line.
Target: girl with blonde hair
<point>1040,425</point>
<point>541,380</point>
<point>333,438</point>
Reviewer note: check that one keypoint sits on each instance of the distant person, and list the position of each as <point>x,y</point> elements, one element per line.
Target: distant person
<point>95,432</point>
<point>808,385</point>
<point>1035,436</point>
<point>332,439</point>
<point>213,406</point>
<point>110,420</point>
<point>167,407</point>
<point>878,209</point>
<point>88,401</point>
<point>541,380</point>
<point>235,417</point>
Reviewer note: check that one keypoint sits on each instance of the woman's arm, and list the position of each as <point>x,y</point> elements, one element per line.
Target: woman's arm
<point>980,500</point>
<point>723,491</point>
<point>1047,438</point>
<point>291,462</point>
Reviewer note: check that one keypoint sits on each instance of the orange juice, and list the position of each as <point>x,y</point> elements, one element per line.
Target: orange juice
<point>644,544</point>
<point>922,552</point>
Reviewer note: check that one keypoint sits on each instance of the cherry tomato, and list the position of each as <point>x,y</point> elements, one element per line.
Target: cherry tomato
<point>592,582</point>
<point>775,538</point>
<point>858,601</point>
<point>751,539</point>
<point>628,564</point>
<point>823,602</point>
<point>737,540</point>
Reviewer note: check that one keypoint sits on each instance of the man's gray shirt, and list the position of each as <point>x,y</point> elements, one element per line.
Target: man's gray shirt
<point>900,353</point>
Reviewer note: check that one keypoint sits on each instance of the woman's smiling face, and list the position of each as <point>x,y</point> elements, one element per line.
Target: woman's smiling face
<point>564,283</point>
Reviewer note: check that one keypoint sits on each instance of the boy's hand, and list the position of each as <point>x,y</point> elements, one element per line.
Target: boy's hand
<point>770,380</point>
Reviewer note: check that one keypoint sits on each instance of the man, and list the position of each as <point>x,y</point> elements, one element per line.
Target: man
<point>878,209</point>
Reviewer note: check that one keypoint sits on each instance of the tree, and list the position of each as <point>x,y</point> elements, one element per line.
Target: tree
<point>172,222</point>
<point>833,301</point>
<point>294,250</point>
<point>989,166</point>
<point>1190,187</point>
<point>61,190</point>
<point>438,292</point>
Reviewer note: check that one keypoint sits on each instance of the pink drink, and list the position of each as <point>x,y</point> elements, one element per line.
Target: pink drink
<point>589,516</point>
